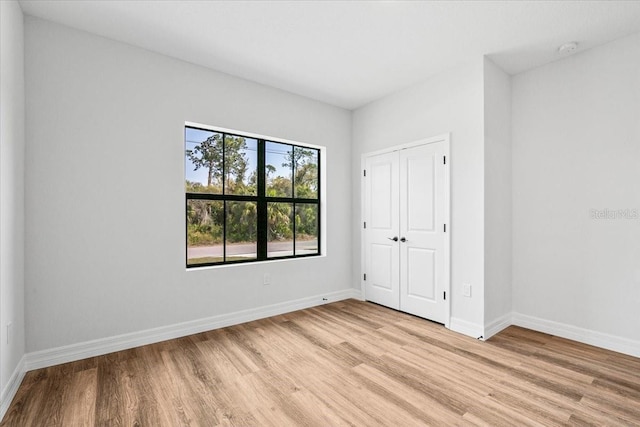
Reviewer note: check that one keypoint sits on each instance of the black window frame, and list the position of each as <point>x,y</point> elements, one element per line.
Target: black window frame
<point>261,200</point>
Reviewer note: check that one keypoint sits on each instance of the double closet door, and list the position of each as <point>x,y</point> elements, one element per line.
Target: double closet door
<point>405,238</point>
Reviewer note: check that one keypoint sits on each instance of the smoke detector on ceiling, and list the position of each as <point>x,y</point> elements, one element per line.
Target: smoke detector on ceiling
<point>568,48</point>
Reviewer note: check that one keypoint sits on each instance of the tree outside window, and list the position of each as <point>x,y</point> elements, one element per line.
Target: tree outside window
<point>249,199</point>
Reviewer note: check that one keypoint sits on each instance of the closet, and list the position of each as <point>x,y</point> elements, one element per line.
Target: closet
<point>405,235</point>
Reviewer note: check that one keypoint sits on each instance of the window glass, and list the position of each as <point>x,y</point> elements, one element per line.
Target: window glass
<point>242,231</point>
<point>306,237</point>
<point>279,229</point>
<point>205,222</point>
<point>278,169</point>
<point>203,161</point>
<point>305,172</point>
<point>240,165</point>
<point>249,199</point>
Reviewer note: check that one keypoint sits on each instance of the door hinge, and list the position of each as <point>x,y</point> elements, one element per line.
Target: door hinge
<point>365,224</point>
<point>444,294</point>
<point>445,160</point>
<point>445,228</point>
<point>365,276</point>
<point>364,172</point>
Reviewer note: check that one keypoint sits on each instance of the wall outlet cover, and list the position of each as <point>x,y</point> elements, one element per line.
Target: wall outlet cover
<point>466,289</point>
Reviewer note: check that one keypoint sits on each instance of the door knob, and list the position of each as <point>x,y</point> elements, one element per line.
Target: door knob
<point>395,239</point>
<point>403,239</point>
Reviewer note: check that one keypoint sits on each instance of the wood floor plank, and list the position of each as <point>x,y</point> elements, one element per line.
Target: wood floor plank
<point>110,409</point>
<point>79,401</point>
<point>348,363</point>
<point>24,408</point>
<point>413,401</point>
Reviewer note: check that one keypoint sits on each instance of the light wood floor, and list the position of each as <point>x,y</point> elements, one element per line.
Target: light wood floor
<point>346,363</point>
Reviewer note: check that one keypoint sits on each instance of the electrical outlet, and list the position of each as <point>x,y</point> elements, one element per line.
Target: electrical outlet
<point>466,289</point>
<point>266,279</point>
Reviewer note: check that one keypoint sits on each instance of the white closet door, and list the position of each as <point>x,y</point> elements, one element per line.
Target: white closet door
<point>382,284</point>
<point>422,236</point>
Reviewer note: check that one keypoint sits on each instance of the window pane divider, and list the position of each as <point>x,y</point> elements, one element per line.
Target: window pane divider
<point>261,200</point>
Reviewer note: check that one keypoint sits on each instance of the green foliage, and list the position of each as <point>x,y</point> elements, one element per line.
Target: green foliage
<point>204,222</point>
<point>236,163</point>
<point>279,187</point>
<point>242,222</point>
<point>205,218</point>
<point>196,187</point>
<point>306,180</point>
<point>306,221</point>
<point>305,167</point>
<point>279,221</point>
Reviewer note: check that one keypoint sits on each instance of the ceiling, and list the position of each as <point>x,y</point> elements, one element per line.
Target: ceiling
<point>348,53</point>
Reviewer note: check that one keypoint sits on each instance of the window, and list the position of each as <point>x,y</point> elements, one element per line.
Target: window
<point>249,199</point>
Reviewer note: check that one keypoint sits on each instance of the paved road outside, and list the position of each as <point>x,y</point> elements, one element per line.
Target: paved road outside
<point>249,249</point>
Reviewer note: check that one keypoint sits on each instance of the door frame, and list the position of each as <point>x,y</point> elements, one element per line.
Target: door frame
<point>446,138</point>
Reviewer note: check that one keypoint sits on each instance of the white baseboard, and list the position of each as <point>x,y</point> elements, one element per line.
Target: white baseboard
<point>497,325</point>
<point>586,336</point>
<point>465,327</point>
<point>79,351</point>
<point>10,390</point>
<point>358,294</point>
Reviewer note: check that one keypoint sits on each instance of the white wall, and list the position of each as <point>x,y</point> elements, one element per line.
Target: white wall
<point>450,102</point>
<point>576,147</point>
<point>497,196</point>
<point>12,146</point>
<point>105,214</point>
<point>105,198</point>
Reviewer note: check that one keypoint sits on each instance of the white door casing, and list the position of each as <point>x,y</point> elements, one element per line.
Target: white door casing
<point>406,195</point>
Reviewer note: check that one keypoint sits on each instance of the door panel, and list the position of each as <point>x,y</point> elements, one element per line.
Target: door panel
<point>381,199</point>
<point>420,192</point>
<point>421,273</point>
<point>422,210</point>
<point>382,257</point>
<point>382,285</point>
